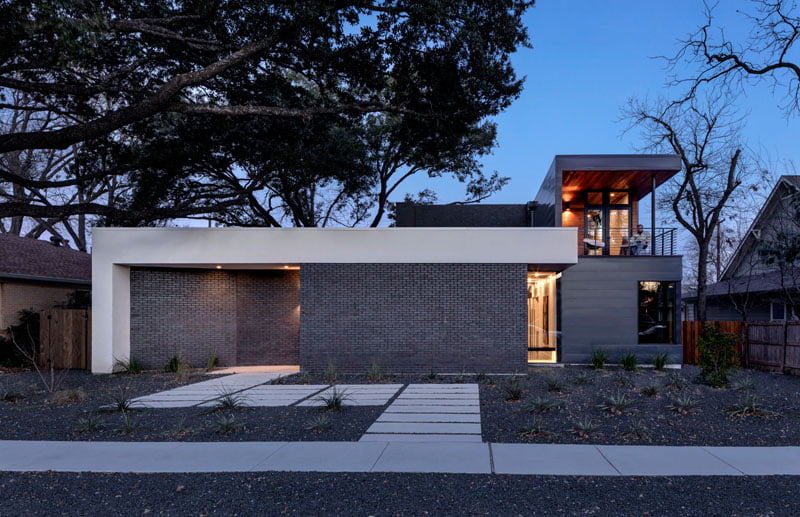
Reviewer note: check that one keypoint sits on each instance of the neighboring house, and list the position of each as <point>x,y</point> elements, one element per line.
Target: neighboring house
<point>750,288</point>
<point>486,288</point>
<point>36,275</point>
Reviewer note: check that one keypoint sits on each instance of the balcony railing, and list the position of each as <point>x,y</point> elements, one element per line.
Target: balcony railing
<point>621,241</point>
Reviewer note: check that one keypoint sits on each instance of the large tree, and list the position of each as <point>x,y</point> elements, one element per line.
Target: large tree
<point>706,138</point>
<point>116,70</point>
<point>769,52</point>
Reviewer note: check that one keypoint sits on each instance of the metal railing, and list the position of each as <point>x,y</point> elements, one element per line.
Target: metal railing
<point>621,241</point>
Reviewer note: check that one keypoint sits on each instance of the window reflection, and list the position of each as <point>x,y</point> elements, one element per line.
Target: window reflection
<point>657,312</point>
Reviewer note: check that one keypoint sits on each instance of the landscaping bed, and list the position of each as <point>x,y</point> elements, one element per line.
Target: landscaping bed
<point>74,413</point>
<point>643,407</point>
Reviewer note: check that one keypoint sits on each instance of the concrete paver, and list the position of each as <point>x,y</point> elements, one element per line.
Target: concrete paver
<point>378,437</point>
<point>643,460</point>
<point>424,428</point>
<point>474,418</point>
<point>431,408</point>
<point>760,461</point>
<point>547,460</point>
<point>451,457</point>
<point>325,457</point>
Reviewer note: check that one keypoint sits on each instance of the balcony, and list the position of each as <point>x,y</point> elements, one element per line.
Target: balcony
<point>623,242</point>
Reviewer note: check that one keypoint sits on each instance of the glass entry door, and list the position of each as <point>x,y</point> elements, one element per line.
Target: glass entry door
<point>542,324</point>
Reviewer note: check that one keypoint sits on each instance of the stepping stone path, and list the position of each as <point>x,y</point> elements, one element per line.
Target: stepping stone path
<point>205,391</point>
<point>430,413</point>
<point>357,394</point>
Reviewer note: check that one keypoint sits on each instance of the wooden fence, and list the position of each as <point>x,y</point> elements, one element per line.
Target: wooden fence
<point>65,338</point>
<point>773,345</point>
<point>690,331</point>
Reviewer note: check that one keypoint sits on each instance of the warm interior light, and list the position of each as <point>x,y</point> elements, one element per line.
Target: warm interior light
<point>285,267</point>
<point>219,267</point>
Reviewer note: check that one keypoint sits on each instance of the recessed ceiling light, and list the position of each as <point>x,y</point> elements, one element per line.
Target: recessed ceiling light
<point>218,266</point>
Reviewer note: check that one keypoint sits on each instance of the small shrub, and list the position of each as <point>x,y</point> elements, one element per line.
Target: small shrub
<point>489,381</point>
<point>129,424</point>
<point>481,377</point>
<point>374,373</point>
<point>224,424</point>
<point>553,384</point>
<point>683,405</point>
<point>616,404</point>
<point>629,362</point>
<point>432,375</point>
<point>180,429</point>
<point>122,402</point>
<point>88,423</point>
<point>660,361</point>
<point>461,377</point>
<point>173,364</point>
<point>743,384</point>
<point>636,431</point>
<point>303,377</point>
<point>329,375</point>
<point>749,406</point>
<point>583,428</point>
<point>229,401</point>
<point>130,366</point>
<point>212,362</point>
<point>280,380</point>
<point>513,388</point>
<point>582,378</point>
<point>599,358</point>
<point>334,399</point>
<point>676,382</point>
<point>535,429</point>
<point>650,391</point>
<point>69,396</point>
<point>716,355</point>
<point>542,405</point>
<point>318,424</point>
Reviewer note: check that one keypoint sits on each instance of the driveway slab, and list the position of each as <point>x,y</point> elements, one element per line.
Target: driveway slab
<point>325,457</point>
<point>550,460</point>
<point>459,457</point>
<point>760,461</point>
<point>641,460</point>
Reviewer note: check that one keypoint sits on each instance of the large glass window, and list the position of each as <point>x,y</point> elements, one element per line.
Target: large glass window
<point>657,312</point>
<point>542,324</point>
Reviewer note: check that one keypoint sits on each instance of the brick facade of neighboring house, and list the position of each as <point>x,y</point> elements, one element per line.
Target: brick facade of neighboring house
<point>414,317</point>
<point>244,317</point>
<point>37,275</point>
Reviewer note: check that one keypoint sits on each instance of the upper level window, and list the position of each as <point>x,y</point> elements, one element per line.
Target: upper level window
<point>618,198</point>
<point>594,198</point>
<point>777,311</point>
<point>657,312</point>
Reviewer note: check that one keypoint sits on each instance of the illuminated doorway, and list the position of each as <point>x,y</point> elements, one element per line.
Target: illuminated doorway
<point>542,325</point>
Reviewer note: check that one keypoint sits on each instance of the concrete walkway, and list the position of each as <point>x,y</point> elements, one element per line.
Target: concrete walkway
<point>430,413</point>
<point>430,457</point>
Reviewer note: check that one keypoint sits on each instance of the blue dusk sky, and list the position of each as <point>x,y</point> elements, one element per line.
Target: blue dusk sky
<point>588,58</point>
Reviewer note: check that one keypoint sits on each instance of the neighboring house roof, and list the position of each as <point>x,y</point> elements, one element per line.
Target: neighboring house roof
<point>755,284</point>
<point>793,182</point>
<point>32,259</point>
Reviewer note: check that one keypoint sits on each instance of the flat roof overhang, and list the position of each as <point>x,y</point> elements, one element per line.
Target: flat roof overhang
<point>615,172</point>
<point>271,248</point>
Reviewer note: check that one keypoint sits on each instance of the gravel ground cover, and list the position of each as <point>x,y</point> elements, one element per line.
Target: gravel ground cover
<point>283,493</point>
<point>30,413</point>
<point>643,407</point>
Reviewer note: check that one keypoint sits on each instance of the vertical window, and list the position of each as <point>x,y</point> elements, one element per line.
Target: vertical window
<point>777,311</point>
<point>657,312</point>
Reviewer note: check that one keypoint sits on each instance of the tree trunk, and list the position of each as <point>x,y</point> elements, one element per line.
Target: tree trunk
<point>702,279</point>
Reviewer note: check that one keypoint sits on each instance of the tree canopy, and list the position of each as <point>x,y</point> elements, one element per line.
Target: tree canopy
<point>237,108</point>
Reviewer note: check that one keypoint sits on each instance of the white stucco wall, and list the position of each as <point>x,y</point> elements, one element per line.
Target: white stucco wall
<point>116,249</point>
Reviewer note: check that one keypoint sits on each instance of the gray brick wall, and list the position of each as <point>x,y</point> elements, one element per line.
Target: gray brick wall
<point>414,317</point>
<point>244,317</point>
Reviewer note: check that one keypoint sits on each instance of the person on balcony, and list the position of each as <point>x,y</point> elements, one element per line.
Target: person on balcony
<point>639,240</point>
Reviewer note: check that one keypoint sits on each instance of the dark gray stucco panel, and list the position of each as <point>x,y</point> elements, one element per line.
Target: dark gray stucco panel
<point>599,301</point>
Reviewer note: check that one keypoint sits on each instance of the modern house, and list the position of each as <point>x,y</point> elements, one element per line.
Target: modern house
<point>751,288</point>
<point>36,275</point>
<point>477,288</point>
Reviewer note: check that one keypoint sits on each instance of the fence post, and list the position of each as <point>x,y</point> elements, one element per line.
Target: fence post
<point>745,345</point>
<point>783,343</point>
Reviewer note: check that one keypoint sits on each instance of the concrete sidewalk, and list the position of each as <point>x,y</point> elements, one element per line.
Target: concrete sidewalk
<point>440,457</point>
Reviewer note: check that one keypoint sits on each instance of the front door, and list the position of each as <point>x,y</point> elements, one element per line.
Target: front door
<point>542,325</point>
